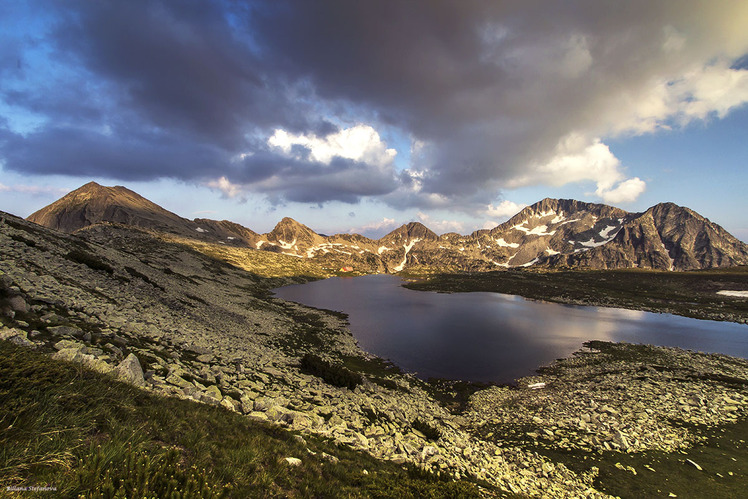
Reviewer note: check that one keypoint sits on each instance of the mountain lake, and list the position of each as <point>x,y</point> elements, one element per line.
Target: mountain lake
<point>490,336</point>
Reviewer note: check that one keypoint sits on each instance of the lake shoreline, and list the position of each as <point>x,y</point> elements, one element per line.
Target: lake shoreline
<point>689,294</point>
<point>493,337</point>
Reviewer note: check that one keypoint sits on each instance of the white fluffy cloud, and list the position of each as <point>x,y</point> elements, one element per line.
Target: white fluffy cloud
<point>578,159</point>
<point>504,209</point>
<point>624,192</point>
<point>228,189</point>
<point>359,143</point>
<point>440,226</point>
<point>699,92</point>
<point>375,229</point>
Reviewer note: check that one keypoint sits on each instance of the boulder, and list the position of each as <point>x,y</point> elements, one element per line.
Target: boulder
<point>18,304</point>
<point>70,354</point>
<point>65,331</point>
<point>212,395</point>
<point>130,370</point>
<point>63,344</point>
<point>7,333</point>
<point>230,404</point>
<point>175,380</point>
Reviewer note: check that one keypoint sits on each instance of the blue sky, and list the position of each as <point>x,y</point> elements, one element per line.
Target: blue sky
<point>366,115</point>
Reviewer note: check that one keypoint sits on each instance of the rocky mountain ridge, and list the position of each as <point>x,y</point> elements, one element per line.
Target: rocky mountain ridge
<point>553,233</point>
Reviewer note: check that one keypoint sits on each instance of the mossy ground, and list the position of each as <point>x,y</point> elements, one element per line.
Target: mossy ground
<point>722,456</point>
<point>88,435</point>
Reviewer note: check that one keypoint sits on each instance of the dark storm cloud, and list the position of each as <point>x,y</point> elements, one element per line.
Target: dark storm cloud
<point>309,181</point>
<point>77,152</point>
<point>492,90</point>
<point>494,86</point>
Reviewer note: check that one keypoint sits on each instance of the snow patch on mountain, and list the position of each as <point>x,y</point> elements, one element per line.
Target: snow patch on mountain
<point>540,230</point>
<point>558,218</point>
<point>500,241</point>
<point>407,247</point>
<point>605,233</point>
<point>592,243</point>
<point>283,244</point>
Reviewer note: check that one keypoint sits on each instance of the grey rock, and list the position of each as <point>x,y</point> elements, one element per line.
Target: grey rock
<point>65,331</point>
<point>69,354</point>
<point>213,393</point>
<point>18,304</point>
<point>131,371</point>
<point>175,380</point>
<point>230,404</point>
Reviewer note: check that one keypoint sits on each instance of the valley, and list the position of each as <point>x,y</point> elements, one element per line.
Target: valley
<point>134,295</point>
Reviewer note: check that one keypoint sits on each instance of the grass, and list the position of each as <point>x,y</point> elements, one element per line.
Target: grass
<point>691,294</point>
<point>87,435</point>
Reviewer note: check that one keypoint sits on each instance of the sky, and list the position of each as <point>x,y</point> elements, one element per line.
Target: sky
<point>361,116</point>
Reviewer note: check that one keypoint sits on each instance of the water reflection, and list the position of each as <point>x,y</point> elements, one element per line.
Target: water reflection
<point>494,337</point>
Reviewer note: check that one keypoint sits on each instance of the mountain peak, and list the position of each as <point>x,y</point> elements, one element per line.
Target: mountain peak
<point>288,230</point>
<point>93,203</point>
<point>413,230</point>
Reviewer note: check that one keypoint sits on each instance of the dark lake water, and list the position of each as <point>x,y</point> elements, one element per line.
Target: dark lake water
<point>491,336</point>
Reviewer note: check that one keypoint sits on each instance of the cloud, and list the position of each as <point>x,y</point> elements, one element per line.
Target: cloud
<point>376,229</point>
<point>309,101</point>
<point>577,159</point>
<point>504,209</point>
<point>440,226</point>
<point>624,192</point>
<point>359,143</point>
<point>228,189</point>
<point>33,190</point>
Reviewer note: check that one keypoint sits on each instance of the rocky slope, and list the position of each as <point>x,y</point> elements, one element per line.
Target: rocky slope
<point>551,233</point>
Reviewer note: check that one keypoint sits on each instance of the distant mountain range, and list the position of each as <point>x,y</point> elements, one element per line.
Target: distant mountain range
<point>553,233</point>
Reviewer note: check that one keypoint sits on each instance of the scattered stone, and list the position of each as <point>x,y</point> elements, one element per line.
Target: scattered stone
<point>293,461</point>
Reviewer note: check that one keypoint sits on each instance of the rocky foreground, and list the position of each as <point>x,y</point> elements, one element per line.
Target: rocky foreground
<point>178,323</point>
